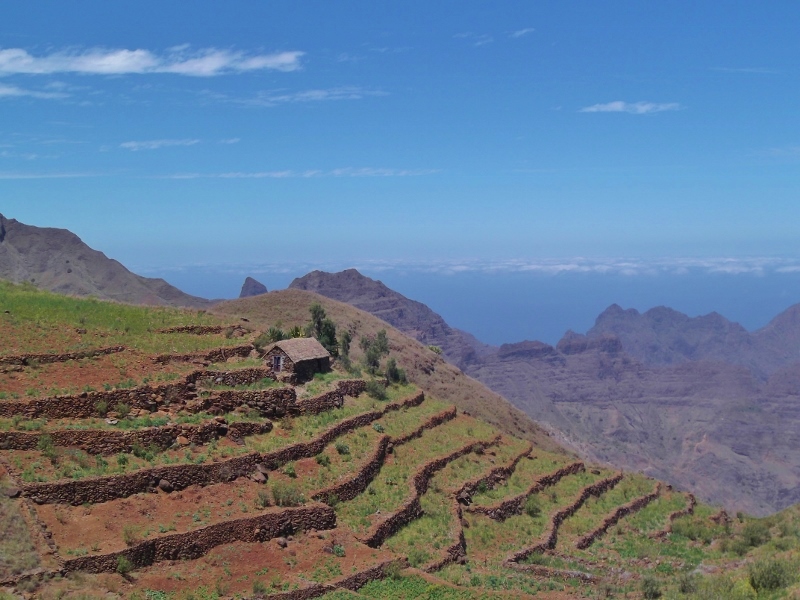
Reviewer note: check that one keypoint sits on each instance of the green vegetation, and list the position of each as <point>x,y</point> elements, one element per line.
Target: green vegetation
<point>43,322</point>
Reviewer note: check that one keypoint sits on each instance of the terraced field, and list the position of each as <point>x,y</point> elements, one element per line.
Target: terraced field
<point>186,471</point>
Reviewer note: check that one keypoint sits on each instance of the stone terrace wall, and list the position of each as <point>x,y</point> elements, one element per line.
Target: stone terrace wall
<point>351,582</point>
<point>194,544</point>
<point>691,502</point>
<point>351,488</point>
<point>105,442</point>
<point>332,399</point>
<point>81,406</point>
<point>103,489</point>
<point>274,402</point>
<point>196,329</point>
<point>513,506</point>
<point>612,519</point>
<point>550,540</point>
<point>231,378</point>
<point>411,508</point>
<point>494,476</point>
<point>308,449</point>
<point>446,415</point>
<point>456,552</point>
<point>217,355</point>
<point>43,359</point>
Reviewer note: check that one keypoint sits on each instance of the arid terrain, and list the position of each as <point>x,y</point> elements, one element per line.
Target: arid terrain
<point>700,403</point>
<point>152,454</point>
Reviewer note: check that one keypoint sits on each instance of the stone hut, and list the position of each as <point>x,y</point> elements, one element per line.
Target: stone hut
<point>298,358</point>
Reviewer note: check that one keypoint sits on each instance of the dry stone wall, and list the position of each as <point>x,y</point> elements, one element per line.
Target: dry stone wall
<point>436,420</point>
<point>350,582</point>
<point>105,442</point>
<point>494,476</point>
<point>691,502</point>
<point>551,538</point>
<point>194,544</point>
<point>622,511</point>
<point>513,506</point>
<point>213,356</point>
<point>351,488</point>
<point>456,552</point>
<point>332,399</point>
<point>23,360</point>
<point>103,489</point>
<point>411,508</point>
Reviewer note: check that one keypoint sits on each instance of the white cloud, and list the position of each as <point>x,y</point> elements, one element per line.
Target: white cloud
<point>636,108</point>
<point>156,144</point>
<point>521,32</point>
<point>46,175</point>
<point>477,39</point>
<point>289,173</point>
<point>179,60</point>
<point>12,91</point>
<point>277,97</point>
<point>235,140</point>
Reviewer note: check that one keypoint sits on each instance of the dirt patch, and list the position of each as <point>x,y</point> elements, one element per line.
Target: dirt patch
<point>104,528</point>
<point>234,568</point>
<point>96,373</point>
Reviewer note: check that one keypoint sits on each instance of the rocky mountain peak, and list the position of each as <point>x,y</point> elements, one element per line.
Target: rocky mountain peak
<point>252,287</point>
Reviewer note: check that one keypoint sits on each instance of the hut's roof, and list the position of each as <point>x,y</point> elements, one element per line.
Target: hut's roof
<point>299,349</point>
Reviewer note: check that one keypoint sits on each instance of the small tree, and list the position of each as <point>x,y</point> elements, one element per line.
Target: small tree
<point>317,317</point>
<point>344,344</point>
<point>374,349</point>
<point>393,373</point>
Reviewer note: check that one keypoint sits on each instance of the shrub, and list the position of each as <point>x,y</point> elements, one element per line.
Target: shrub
<point>289,470</point>
<point>46,446</point>
<point>262,499</point>
<point>687,583</point>
<point>338,550</point>
<point>435,349</point>
<point>650,588</point>
<point>771,574</point>
<point>533,507</point>
<point>756,533</point>
<point>259,588</point>
<point>273,334</point>
<point>378,427</point>
<point>323,459</point>
<point>101,406</point>
<point>130,535</point>
<point>123,410</point>
<point>124,566</point>
<point>342,448</point>
<point>286,494</point>
<point>376,390</point>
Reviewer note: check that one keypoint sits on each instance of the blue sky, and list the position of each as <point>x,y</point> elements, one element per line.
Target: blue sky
<point>242,133</point>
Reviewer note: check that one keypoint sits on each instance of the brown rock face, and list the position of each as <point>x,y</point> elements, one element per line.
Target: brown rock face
<point>251,287</point>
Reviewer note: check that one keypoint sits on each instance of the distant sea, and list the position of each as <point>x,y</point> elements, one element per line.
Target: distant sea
<point>502,307</point>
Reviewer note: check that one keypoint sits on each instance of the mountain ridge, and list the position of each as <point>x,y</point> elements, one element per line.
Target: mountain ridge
<point>58,260</point>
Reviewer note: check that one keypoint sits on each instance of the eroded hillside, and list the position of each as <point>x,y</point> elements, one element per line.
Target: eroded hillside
<point>183,467</point>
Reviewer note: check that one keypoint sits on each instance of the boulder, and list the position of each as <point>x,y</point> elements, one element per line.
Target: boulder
<point>12,492</point>
<point>165,486</point>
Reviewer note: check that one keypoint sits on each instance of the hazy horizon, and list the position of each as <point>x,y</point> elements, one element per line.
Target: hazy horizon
<point>506,305</point>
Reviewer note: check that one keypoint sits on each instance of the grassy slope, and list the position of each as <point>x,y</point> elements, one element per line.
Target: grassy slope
<point>425,368</point>
<point>761,552</point>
